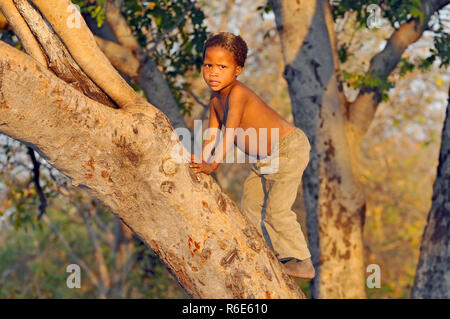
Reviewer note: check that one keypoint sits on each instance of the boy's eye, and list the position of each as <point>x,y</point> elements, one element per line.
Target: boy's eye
<point>222,66</point>
<point>207,65</point>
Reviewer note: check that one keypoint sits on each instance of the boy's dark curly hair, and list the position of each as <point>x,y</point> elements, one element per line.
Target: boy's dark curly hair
<point>233,43</point>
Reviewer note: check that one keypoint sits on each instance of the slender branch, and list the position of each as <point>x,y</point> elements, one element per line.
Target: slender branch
<point>362,110</point>
<point>60,60</point>
<point>36,173</point>
<point>22,31</point>
<point>81,44</point>
<point>121,57</point>
<point>167,32</point>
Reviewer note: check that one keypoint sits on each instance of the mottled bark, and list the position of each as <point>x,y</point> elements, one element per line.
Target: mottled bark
<point>433,271</point>
<point>21,29</point>
<point>333,198</point>
<point>81,44</point>
<point>121,57</point>
<point>59,59</point>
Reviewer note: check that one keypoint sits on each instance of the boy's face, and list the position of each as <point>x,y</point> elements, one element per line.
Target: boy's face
<point>219,68</point>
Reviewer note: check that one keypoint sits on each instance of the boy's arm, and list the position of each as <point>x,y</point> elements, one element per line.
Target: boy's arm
<point>235,112</point>
<point>209,143</point>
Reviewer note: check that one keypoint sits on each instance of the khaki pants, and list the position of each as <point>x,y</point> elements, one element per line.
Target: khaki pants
<point>268,197</point>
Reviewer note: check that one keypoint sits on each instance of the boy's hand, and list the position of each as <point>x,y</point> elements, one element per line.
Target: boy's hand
<point>204,167</point>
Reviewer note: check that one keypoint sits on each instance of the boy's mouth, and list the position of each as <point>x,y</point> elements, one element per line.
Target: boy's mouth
<point>213,83</point>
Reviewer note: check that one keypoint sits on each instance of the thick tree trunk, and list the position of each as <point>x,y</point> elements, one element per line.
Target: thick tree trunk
<point>333,200</point>
<point>123,157</point>
<point>433,271</point>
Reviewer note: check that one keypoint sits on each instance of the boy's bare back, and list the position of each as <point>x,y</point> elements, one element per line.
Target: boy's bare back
<point>251,124</point>
<point>255,114</point>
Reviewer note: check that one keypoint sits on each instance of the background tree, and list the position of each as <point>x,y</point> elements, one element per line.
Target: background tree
<point>334,200</point>
<point>433,270</point>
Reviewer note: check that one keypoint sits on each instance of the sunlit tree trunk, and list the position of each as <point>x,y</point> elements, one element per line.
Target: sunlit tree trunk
<point>333,199</point>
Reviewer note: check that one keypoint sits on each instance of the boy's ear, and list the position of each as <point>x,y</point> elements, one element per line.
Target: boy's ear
<point>238,70</point>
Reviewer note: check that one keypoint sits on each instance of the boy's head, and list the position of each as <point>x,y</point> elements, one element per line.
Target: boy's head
<point>230,42</point>
<point>224,56</point>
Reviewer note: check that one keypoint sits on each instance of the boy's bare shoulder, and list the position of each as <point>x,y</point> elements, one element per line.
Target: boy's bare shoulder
<point>241,92</point>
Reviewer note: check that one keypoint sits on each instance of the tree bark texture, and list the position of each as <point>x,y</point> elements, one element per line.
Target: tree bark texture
<point>433,271</point>
<point>333,200</point>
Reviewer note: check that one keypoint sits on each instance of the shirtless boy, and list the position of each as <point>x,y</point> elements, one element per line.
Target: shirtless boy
<point>267,198</point>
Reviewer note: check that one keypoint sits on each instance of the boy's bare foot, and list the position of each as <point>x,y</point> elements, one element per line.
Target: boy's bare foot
<point>303,269</point>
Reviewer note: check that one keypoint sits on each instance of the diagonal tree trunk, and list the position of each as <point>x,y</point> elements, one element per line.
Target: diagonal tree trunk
<point>433,271</point>
<point>123,157</point>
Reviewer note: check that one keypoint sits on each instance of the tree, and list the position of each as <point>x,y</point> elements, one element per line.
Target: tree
<point>433,270</point>
<point>122,156</point>
<point>123,55</point>
<point>334,200</point>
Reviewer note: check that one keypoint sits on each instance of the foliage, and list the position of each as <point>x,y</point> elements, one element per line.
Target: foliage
<point>369,80</point>
<point>396,12</point>
<point>96,9</point>
<point>33,264</point>
<point>173,32</point>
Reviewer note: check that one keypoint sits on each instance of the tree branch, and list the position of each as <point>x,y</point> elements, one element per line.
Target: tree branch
<point>121,57</point>
<point>362,110</point>
<point>36,173</point>
<point>81,44</point>
<point>60,60</point>
<point>124,159</point>
<point>70,252</point>
<point>119,25</point>
<point>105,282</point>
<point>22,31</point>
<point>167,32</point>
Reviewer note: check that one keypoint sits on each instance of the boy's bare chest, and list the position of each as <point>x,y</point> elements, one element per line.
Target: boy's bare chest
<point>257,117</point>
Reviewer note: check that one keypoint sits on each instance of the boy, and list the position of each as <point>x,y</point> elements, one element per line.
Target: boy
<point>267,197</point>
